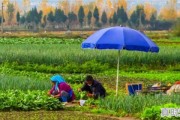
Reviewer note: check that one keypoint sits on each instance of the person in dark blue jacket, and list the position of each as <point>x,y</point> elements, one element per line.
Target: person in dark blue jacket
<point>93,88</point>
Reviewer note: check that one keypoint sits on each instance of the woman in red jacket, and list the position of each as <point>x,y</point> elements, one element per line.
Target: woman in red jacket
<point>61,89</point>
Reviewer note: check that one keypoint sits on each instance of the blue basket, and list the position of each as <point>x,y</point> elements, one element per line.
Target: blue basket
<point>133,88</point>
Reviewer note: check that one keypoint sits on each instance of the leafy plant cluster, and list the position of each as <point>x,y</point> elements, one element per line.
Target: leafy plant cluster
<point>27,100</point>
<point>154,112</point>
<point>80,95</point>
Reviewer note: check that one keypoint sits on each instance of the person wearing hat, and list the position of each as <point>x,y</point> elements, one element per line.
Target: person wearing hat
<point>93,88</point>
<point>61,89</point>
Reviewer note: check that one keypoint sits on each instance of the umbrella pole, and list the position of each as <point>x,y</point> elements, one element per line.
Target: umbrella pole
<point>117,73</point>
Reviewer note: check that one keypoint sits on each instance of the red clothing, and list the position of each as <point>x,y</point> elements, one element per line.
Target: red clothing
<point>64,87</point>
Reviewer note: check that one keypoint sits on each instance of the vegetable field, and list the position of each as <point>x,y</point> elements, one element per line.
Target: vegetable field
<point>26,101</point>
<point>27,63</point>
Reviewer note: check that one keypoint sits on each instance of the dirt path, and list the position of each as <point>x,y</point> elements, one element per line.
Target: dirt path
<point>100,116</point>
<point>113,118</point>
<point>56,115</point>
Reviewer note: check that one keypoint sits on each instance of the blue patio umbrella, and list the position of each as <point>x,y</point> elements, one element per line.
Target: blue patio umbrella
<point>120,38</point>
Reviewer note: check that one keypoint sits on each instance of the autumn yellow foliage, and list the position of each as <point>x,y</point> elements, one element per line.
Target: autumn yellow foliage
<point>149,10</point>
<point>45,7</point>
<point>169,12</point>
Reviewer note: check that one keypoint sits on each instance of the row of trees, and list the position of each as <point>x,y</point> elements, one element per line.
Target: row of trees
<point>71,19</point>
<point>88,18</point>
<point>58,19</point>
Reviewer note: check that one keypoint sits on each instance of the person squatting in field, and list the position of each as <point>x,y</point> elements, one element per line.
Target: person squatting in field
<point>61,89</point>
<point>93,88</point>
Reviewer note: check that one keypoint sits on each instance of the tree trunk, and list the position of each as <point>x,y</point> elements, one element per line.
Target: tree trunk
<point>34,27</point>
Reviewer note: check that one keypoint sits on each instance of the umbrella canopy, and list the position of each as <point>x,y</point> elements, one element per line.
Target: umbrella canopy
<point>120,38</point>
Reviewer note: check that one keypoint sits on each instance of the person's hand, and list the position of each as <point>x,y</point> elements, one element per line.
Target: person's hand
<point>90,95</point>
<point>56,96</point>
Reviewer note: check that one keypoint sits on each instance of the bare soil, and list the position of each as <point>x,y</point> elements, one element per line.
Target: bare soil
<point>56,115</point>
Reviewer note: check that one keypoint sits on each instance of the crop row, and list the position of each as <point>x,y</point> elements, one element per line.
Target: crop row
<point>60,55</point>
<point>151,75</point>
<point>23,80</point>
<point>34,40</point>
<point>136,104</point>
